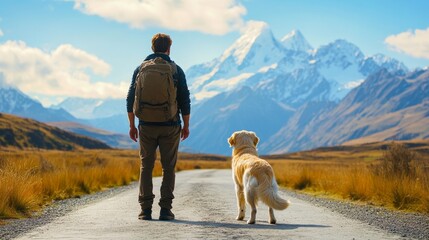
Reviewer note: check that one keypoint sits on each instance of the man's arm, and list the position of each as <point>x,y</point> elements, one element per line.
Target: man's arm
<point>184,101</point>
<point>130,101</point>
<point>134,133</point>
<point>185,130</point>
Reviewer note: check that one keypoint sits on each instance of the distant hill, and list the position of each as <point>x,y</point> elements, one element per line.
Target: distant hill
<point>26,133</point>
<point>420,146</point>
<point>115,140</point>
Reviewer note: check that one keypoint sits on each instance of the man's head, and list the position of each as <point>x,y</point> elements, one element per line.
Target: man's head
<point>161,43</point>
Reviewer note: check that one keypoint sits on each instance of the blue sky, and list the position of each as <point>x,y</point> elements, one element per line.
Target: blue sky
<point>53,49</point>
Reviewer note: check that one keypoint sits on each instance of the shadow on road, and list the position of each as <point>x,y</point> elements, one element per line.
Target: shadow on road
<point>243,224</point>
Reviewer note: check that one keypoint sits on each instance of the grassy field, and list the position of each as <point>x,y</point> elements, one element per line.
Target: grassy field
<point>30,179</point>
<point>394,176</point>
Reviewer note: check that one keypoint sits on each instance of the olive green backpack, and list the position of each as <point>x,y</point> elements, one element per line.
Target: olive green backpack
<point>156,91</point>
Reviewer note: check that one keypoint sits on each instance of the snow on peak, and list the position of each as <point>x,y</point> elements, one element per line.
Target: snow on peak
<point>341,46</point>
<point>380,58</point>
<point>340,52</point>
<point>347,48</point>
<point>254,32</point>
<point>296,41</point>
<point>388,62</point>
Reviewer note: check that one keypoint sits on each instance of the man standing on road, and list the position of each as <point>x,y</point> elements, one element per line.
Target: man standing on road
<point>157,108</point>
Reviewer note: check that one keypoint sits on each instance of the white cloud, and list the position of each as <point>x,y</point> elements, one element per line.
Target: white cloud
<point>208,16</point>
<point>1,33</point>
<point>412,43</point>
<point>63,72</point>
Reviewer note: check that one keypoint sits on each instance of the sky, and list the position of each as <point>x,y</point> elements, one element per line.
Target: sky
<point>54,49</point>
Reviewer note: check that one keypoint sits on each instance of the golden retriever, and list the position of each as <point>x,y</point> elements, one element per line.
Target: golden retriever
<point>253,177</point>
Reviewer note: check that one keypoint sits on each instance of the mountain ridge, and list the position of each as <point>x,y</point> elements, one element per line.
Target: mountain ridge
<point>293,95</point>
<point>13,101</point>
<point>303,77</point>
<point>385,107</point>
<point>341,63</point>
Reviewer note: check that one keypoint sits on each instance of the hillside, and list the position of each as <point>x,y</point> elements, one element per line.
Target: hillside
<point>350,151</point>
<point>115,140</point>
<point>26,133</point>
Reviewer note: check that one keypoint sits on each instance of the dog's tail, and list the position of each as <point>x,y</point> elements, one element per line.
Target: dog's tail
<point>268,194</point>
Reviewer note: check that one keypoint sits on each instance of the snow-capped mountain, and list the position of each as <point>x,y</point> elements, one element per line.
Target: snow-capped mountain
<point>345,66</point>
<point>215,120</point>
<point>256,50</point>
<point>106,114</point>
<point>292,95</point>
<point>13,101</point>
<point>79,107</point>
<point>258,57</point>
<point>295,41</point>
<point>294,88</point>
<point>378,61</point>
<point>92,108</point>
<point>386,106</point>
<point>289,74</point>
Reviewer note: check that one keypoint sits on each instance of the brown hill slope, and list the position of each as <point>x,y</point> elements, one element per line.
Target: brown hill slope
<point>26,133</point>
<point>351,151</point>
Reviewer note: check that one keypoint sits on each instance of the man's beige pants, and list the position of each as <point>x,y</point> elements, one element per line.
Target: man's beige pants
<point>167,138</point>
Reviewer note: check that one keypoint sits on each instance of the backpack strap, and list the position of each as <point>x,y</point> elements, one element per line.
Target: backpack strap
<point>174,66</point>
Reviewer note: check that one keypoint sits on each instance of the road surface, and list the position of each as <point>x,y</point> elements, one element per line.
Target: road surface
<point>205,208</point>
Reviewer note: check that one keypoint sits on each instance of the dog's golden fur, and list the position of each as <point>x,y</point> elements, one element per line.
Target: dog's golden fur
<point>253,177</point>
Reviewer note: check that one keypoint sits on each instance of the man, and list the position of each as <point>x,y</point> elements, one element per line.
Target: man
<point>165,135</point>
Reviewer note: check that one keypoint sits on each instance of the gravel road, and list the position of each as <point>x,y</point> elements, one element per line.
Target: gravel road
<point>205,208</point>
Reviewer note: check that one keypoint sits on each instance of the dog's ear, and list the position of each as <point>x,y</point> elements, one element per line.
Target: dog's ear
<point>231,140</point>
<point>255,139</point>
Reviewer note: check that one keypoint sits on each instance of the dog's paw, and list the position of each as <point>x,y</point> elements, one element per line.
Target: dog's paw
<point>272,221</point>
<point>250,221</point>
<point>239,218</point>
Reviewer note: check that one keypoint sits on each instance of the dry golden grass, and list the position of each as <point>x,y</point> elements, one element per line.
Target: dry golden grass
<point>31,179</point>
<point>357,175</point>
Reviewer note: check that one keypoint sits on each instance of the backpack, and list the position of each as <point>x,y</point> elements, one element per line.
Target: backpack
<point>156,91</point>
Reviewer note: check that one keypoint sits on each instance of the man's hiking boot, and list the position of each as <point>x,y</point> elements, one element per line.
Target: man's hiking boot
<point>146,214</point>
<point>166,214</point>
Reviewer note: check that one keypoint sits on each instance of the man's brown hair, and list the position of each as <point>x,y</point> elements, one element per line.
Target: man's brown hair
<point>161,43</point>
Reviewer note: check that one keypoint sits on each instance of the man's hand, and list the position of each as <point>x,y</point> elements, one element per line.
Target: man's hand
<point>185,130</point>
<point>185,133</point>
<point>134,133</point>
